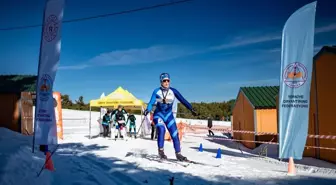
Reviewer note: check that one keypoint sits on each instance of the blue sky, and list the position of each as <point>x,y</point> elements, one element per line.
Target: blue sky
<point>209,47</point>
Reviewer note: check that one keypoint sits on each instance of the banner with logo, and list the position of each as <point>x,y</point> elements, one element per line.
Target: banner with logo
<point>58,115</point>
<point>295,78</point>
<point>145,124</point>
<point>45,130</point>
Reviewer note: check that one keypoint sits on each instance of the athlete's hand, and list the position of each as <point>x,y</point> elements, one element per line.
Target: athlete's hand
<point>146,112</point>
<point>194,113</point>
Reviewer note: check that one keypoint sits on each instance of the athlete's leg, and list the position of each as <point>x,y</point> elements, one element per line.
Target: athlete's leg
<point>124,132</point>
<point>173,131</point>
<point>116,131</point>
<point>131,127</point>
<point>134,130</point>
<point>161,131</point>
<point>152,134</point>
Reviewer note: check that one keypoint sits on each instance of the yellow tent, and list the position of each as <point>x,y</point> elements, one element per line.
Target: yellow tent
<point>118,97</point>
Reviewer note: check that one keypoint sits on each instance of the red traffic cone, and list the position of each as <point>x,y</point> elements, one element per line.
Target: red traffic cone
<point>48,163</point>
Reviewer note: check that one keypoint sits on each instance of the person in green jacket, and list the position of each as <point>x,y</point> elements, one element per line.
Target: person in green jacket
<point>106,123</point>
<point>132,119</point>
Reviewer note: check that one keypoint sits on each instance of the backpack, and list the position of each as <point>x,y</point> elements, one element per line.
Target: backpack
<point>132,118</point>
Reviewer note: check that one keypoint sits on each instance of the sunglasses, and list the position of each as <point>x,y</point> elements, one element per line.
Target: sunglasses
<point>165,80</point>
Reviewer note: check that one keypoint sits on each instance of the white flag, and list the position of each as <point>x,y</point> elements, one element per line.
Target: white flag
<point>103,110</point>
<point>295,79</point>
<point>50,49</point>
<point>146,126</point>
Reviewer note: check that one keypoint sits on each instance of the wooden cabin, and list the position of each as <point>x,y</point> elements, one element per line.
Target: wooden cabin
<point>322,103</point>
<point>255,110</point>
<point>16,96</point>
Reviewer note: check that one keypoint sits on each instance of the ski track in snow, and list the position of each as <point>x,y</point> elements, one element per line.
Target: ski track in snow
<point>236,167</point>
<point>103,161</point>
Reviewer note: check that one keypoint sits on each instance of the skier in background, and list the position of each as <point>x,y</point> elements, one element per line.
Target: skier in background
<point>164,96</point>
<point>210,126</point>
<point>106,123</point>
<point>119,118</point>
<point>131,118</point>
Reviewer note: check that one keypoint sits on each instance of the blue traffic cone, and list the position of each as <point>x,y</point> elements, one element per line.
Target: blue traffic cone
<point>200,149</point>
<point>219,153</point>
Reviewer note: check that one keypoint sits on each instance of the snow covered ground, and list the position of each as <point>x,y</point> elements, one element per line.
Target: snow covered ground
<point>102,161</point>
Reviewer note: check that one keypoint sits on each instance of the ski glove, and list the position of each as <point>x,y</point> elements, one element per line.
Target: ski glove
<point>146,112</point>
<point>194,113</point>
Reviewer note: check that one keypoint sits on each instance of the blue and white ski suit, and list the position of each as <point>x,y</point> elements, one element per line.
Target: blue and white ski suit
<point>163,114</point>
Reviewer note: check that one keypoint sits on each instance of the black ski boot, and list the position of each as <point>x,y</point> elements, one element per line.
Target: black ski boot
<point>180,157</point>
<point>162,154</point>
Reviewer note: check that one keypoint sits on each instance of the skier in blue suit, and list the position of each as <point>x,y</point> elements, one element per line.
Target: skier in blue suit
<point>164,97</point>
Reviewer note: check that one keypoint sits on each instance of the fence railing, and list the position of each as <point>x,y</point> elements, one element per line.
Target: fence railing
<point>195,129</point>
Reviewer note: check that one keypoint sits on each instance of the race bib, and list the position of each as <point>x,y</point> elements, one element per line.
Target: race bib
<point>121,121</point>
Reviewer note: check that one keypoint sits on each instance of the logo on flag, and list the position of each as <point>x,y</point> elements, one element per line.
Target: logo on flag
<point>295,75</point>
<point>45,88</point>
<point>50,28</point>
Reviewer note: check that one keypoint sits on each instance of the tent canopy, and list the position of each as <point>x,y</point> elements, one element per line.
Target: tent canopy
<point>118,97</point>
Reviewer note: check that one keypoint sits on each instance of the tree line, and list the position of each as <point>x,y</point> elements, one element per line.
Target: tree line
<point>215,110</point>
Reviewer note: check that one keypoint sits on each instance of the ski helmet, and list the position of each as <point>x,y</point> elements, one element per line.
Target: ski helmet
<point>164,76</point>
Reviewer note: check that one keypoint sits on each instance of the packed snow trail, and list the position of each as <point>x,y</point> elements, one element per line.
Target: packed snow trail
<point>107,162</point>
<point>94,171</point>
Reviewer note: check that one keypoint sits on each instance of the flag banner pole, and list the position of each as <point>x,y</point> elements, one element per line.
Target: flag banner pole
<point>295,80</point>
<point>45,129</point>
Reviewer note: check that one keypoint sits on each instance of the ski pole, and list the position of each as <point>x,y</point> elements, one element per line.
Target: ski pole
<point>141,125</point>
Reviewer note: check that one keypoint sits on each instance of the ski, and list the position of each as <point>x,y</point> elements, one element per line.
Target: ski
<point>173,162</point>
<point>192,162</point>
<point>184,163</point>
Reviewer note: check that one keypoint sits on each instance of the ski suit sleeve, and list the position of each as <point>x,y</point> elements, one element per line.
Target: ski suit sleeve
<point>181,99</point>
<point>113,112</point>
<point>152,101</point>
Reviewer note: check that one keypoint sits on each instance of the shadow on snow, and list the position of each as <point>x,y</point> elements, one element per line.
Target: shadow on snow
<point>102,171</point>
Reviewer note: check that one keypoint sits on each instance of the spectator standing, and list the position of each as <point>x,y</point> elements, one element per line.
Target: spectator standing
<point>210,126</point>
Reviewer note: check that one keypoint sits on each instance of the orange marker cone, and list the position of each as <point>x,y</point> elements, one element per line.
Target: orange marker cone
<point>48,163</point>
<point>291,167</point>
